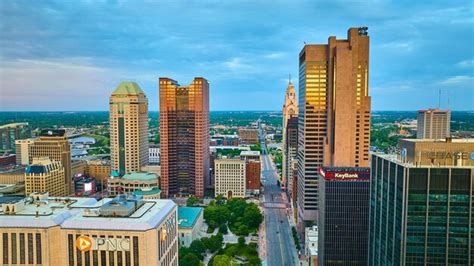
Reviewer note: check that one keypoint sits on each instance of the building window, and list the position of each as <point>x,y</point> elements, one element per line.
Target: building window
<point>14,249</point>
<point>38,249</point>
<point>135,251</point>
<point>22,248</point>
<point>30,248</point>
<point>70,246</point>
<point>5,248</point>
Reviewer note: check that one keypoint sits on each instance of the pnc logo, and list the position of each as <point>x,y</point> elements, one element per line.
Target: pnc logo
<point>84,243</point>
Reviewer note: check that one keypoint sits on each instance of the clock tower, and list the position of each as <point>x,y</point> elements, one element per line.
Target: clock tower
<point>290,109</point>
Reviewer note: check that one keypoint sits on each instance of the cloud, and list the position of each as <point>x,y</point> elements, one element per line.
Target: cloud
<point>458,80</point>
<point>466,63</point>
<point>275,55</point>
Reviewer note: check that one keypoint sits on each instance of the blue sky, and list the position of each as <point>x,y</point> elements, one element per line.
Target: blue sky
<point>70,55</point>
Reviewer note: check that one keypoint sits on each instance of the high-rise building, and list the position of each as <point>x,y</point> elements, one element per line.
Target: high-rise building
<point>45,175</point>
<point>229,177</point>
<point>421,209</point>
<point>334,112</point>
<point>22,151</point>
<point>42,230</point>
<point>9,133</point>
<point>290,150</point>
<point>433,124</point>
<point>54,145</point>
<point>344,215</point>
<point>184,137</point>
<point>290,110</point>
<point>128,128</point>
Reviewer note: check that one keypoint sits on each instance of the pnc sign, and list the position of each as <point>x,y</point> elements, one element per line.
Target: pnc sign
<point>86,243</point>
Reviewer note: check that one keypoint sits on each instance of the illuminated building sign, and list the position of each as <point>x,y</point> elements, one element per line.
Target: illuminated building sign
<point>86,243</point>
<point>336,173</point>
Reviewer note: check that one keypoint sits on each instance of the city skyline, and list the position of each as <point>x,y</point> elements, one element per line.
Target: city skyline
<point>112,42</point>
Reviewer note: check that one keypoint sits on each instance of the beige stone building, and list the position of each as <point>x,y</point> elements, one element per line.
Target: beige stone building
<point>128,128</point>
<point>131,182</point>
<point>334,112</point>
<point>81,231</point>
<point>290,109</point>
<point>433,124</point>
<point>230,178</point>
<point>435,152</point>
<point>55,145</point>
<point>12,176</point>
<point>45,176</point>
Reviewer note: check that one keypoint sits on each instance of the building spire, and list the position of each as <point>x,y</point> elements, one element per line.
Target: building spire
<point>289,79</point>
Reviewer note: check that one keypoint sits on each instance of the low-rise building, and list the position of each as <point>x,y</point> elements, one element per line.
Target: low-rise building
<point>99,169</point>
<point>12,175</point>
<point>252,176</point>
<point>131,182</point>
<point>42,230</point>
<point>45,175</point>
<point>250,155</point>
<point>311,245</point>
<point>248,135</point>
<point>230,177</point>
<point>190,221</point>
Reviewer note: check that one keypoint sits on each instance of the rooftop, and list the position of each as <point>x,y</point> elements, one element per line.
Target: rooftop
<point>471,140</point>
<point>187,216</point>
<point>128,87</point>
<point>84,213</point>
<point>250,153</point>
<point>395,158</point>
<point>13,125</point>
<point>140,176</point>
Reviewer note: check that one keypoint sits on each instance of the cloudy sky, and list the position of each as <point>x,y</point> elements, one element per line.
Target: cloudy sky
<point>70,55</point>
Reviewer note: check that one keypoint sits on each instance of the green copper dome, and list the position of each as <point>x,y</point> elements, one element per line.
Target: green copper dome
<point>128,87</point>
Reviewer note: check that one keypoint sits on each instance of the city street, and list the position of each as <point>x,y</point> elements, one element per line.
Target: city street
<point>280,248</point>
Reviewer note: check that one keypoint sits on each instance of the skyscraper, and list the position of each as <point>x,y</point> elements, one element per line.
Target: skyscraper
<point>184,137</point>
<point>433,124</point>
<point>421,207</point>
<point>344,215</point>
<point>9,133</point>
<point>290,109</point>
<point>334,112</point>
<point>291,151</point>
<point>54,145</point>
<point>128,128</point>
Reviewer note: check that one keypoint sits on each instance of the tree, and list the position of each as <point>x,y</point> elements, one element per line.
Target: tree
<point>223,260</point>
<point>252,216</point>
<point>197,247</point>
<point>241,241</point>
<point>190,260</point>
<point>214,243</point>
<point>220,201</point>
<point>223,229</point>
<point>192,201</point>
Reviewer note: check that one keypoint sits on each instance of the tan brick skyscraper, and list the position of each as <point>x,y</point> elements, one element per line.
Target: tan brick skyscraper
<point>128,128</point>
<point>334,117</point>
<point>184,137</point>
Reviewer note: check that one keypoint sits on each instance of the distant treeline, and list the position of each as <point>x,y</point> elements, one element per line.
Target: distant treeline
<point>463,121</point>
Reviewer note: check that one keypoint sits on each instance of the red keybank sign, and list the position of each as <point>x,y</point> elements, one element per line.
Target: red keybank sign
<point>336,173</point>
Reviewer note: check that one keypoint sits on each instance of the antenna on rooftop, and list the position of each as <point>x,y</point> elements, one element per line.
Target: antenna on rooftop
<point>439,99</point>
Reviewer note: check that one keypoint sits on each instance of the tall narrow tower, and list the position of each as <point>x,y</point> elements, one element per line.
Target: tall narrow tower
<point>334,118</point>
<point>128,128</point>
<point>290,109</point>
<point>184,137</point>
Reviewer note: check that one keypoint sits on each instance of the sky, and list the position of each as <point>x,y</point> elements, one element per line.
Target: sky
<point>71,55</point>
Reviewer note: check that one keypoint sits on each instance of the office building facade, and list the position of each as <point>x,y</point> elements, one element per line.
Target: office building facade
<point>421,214</point>
<point>128,111</point>
<point>230,175</point>
<point>291,152</point>
<point>184,137</point>
<point>54,145</point>
<point>344,215</point>
<point>252,176</point>
<point>334,112</point>
<point>81,231</point>
<point>433,124</point>
<point>22,151</point>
